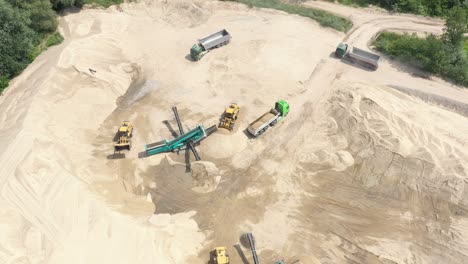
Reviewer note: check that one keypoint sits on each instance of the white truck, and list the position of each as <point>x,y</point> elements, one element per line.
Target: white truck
<point>369,59</point>
<point>270,118</point>
<point>204,45</point>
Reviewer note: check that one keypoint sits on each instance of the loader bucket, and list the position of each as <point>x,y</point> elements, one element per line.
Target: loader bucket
<point>122,147</point>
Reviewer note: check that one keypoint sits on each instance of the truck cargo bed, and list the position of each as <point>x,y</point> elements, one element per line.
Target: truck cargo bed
<point>262,120</point>
<point>364,56</point>
<point>215,39</point>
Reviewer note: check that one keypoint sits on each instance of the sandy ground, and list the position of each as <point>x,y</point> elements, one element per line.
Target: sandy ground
<point>369,166</point>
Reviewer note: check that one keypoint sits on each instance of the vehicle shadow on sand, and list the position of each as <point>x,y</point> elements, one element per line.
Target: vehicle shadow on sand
<point>241,254</point>
<point>142,155</point>
<point>247,134</point>
<point>189,58</point>
<point>116,155</point>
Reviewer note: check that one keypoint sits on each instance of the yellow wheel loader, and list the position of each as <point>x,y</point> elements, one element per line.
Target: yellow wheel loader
<point>220,256</point>
<point>229,117</point>
<point>123,137</point>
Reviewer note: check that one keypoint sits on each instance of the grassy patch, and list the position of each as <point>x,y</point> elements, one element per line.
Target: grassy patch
<point>465,46</point>
<point>47,41</point>
<point>431,54</point>
<point>361,3</point>
<point>436,8</point>
<point>103,3</point>
<point>325,18</point>
<point>4,80</point>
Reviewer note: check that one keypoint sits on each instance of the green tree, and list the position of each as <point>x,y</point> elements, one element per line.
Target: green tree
<point>43,17</point>
<point>16,40</point>
<point>456,25</point>
<point>61,4</point>
<point>4,80</point>
<point>432,54</point>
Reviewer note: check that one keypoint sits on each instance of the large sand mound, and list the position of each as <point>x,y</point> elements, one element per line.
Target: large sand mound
<point>356,172</point>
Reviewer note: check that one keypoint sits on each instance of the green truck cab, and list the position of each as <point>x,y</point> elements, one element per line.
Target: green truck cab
<point>341,50</point>
<point>283,107</point>
<point>197,51</point>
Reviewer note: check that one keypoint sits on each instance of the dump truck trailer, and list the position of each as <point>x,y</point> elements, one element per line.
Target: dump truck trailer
<point>206,44</point>
<point>270,118</point>
<point>354,54</point>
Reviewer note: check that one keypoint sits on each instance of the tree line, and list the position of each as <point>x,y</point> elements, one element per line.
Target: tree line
<point>26,28</point>
<point>444,55</point>
<point>439,8</point>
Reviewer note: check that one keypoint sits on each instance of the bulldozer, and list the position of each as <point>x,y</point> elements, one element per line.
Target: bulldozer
<point>220,256</point>
<point>229,117</point>
<point>124,134</point>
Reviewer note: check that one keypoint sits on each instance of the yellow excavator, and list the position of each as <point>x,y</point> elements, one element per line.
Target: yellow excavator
<point>123,137</point>
<point>220,256</point>
<point>229,117</point>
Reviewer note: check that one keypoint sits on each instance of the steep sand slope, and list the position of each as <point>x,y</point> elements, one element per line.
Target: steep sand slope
<point>356,172</point>
<point>51,162</point>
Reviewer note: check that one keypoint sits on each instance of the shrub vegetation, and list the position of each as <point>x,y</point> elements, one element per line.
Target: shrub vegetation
<point>445,55</point>
<point>421,7</point>
<point>27,28</point>
<point>325,18</point>
<point>104,3</point>
<point>465,46</point>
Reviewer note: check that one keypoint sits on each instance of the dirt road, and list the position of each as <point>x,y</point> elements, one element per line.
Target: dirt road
<point>368,23</point>
<point>358,172</point>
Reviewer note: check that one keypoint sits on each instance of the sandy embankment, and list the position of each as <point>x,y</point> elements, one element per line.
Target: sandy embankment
<point>54,116</point>
<point>355,172</point>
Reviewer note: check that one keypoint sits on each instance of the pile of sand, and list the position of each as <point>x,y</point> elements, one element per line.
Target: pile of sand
<point>355,172</point>
<point>205,176</point>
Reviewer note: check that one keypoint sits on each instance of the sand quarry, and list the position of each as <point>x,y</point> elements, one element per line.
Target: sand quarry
<point>368,167</point>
